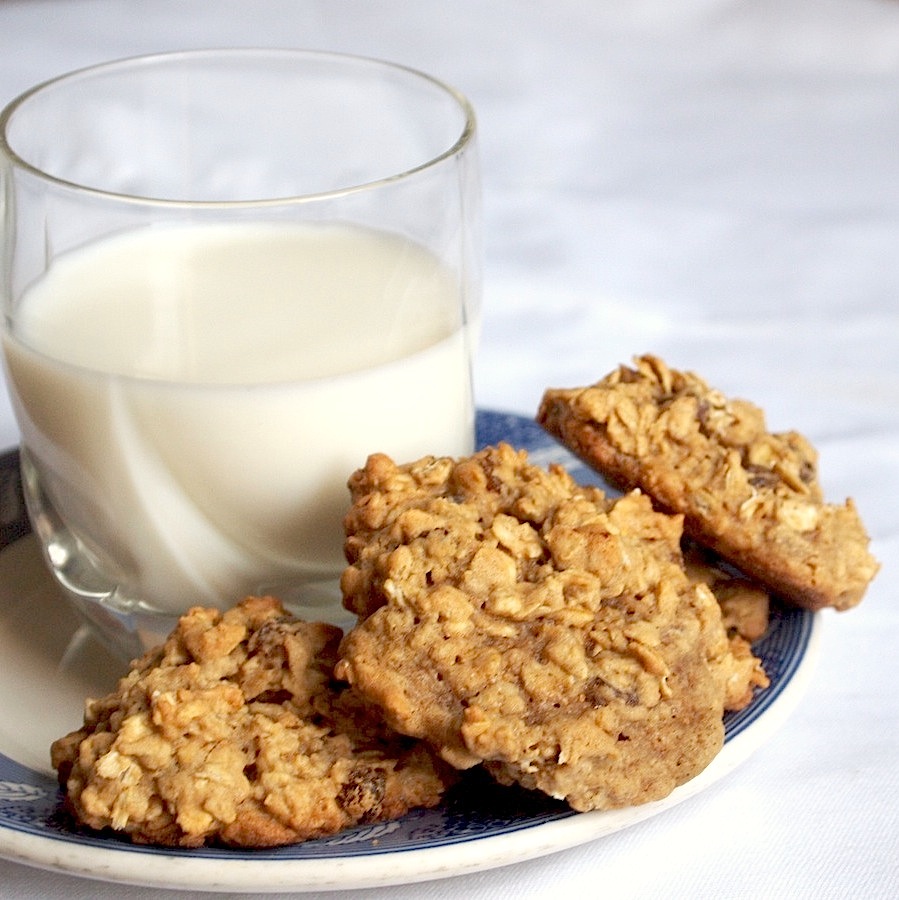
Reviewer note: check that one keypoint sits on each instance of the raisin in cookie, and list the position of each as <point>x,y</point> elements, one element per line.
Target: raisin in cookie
<point>234,732</point>
<point>512,618</point>
<point>750,495</point>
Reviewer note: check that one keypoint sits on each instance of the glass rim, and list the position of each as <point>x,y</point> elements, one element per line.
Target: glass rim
<point>464,138</point>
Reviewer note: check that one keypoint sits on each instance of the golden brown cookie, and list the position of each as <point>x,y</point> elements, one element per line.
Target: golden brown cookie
<point>744,612</point>
<point>233,732</point>
<point>745,604</point>
<point>512,618</point>
<point>750,495</point>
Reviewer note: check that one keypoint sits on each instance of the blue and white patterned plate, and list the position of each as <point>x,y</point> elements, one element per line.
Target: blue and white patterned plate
<point>50,664</point>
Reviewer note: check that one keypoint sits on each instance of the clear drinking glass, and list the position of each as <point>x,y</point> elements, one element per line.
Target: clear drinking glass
<point>228,276</point>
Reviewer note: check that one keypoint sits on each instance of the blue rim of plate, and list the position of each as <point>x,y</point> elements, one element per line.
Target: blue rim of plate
<point>475,810</point>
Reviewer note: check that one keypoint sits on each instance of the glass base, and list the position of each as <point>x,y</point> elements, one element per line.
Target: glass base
<point>129,627</point>
<point>129,633</point>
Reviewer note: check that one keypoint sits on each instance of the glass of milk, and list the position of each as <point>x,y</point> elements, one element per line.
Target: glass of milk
<point>227,277</point>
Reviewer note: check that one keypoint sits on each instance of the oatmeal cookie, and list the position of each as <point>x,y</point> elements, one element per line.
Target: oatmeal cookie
<point>233,732</point>
<point>744,612</point>
<point>751,495</point>
<point>513,618</point>
<point>745,604</point>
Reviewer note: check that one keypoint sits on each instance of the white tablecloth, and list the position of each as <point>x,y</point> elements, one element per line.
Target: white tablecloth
<point>716,181</point>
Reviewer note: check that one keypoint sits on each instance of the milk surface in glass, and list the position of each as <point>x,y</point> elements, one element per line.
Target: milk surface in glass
<point>194,398</point>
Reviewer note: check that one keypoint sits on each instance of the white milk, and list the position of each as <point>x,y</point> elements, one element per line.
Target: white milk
<point>269,362</point>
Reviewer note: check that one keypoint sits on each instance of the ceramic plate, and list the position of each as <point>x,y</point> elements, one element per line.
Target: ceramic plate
<point>50,664</point>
